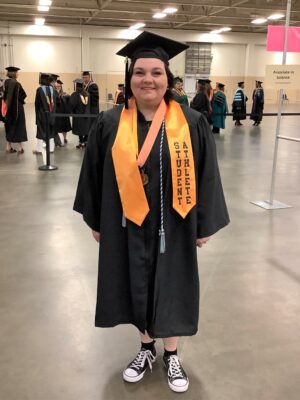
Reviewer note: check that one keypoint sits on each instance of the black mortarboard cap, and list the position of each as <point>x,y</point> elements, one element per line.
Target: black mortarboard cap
<point>207,81</point>
<point>149,45</point>
<point>55,76</point>
<point>78,83</point>
<point>121,84</point>
<point>59,82</point>
<point>241,83</point>
<point>260,82</point>
<point>12,69</point>
<point>178,79</point>
<point>201,81</point>
<point>221,85</point>
<point>44,78</point>
<point>84,73</point>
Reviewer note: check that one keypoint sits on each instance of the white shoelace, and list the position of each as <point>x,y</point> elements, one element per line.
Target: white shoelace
<point>141,358</point>
<point>175,369</point>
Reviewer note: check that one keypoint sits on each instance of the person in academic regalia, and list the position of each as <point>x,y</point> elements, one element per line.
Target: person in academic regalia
<point>15,124</point>
<point>201,101</point>
<point>120,94</point>
<point>219,109</point>
<point>239,104</point>
<point>80,104</point>
<point>92,89</point>
<point>258,104</point>
<point>150,190</point>
<point>44,108</point>
<point>178,92</point>
<point>62,124</point>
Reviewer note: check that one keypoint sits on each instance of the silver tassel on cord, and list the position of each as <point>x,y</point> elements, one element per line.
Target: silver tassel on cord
<point>162,241</point>
<point>124,223</point>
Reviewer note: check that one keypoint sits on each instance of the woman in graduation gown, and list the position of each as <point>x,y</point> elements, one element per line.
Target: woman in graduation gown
<point>219,109</point>
<point>239,104</point>
<point>62,124</point>
<point>258,104</point>
<point>179,94</point>
<point>15,124</point>
<point>149,212</point>
<point>201,101</point>
<point>44,108</point>
<point>80,104</point>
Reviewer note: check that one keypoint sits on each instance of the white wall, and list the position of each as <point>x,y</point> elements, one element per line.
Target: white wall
<point>228,59</point>
<point>47,54</point>
<point>103,56</point>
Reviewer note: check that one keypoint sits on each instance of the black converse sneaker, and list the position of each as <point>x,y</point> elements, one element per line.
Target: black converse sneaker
<point>135,371</point>
<point>177,378</point>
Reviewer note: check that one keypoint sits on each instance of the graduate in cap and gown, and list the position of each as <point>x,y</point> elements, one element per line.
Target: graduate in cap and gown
<point>239,104</point>
<point>258,104</point>
<point>45,99</point>
<point>15,124</point>
<point>178,92</point>
<point>80,104</point>
<point>62,124</point>
<point>150,190</point>
<point>92,88</point>
<point>120,94</point>
<point>219,108</point>
<point>201,101</point>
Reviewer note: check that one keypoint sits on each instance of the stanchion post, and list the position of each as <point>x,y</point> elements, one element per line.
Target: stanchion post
<point>48,166</point>
<point>272,204</point>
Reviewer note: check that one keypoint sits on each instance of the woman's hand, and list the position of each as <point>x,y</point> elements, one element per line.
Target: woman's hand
<point>96,235</point>
<point>202,241</point>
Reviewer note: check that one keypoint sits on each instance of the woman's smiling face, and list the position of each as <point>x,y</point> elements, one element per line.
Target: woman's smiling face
<point>149,81</point>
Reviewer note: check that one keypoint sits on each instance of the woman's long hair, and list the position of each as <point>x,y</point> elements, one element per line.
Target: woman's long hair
<point>168,95</point>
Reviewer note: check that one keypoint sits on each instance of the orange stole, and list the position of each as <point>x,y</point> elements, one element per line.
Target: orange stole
<point>133,197</point>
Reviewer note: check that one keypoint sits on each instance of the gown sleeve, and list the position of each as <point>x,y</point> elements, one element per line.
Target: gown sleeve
<point>89,190</point>
<point>212,213</point>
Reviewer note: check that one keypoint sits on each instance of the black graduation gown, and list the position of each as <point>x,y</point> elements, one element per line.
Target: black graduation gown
<point>201,103</point>
<point>44,120</point>
<point>93,91</point>
<point>239,106</point>
<point>258,105</point>
<point>62,124</point>
<point>80,126</point>
<point>138,285</point>
<point>15,124</point>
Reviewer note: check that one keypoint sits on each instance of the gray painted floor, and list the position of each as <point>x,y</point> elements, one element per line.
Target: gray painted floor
<point>248,346</point>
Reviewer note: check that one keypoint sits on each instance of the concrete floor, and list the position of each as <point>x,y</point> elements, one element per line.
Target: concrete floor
<point>248,346</point>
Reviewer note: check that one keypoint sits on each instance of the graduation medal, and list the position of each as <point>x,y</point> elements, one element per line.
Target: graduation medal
<point>144,176</point>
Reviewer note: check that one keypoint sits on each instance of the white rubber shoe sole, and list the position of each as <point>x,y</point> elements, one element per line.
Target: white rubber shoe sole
<point>179,389</point>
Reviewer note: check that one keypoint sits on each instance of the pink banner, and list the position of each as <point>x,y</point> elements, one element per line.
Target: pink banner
<point>275,38</point>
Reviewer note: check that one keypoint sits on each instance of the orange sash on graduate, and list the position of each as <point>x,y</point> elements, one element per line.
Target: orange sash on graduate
<point>124,153</point>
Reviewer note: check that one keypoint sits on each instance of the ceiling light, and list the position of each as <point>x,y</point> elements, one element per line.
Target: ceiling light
<point>40,21</point>
<point>259,21</point>
<point>159,15</point>
<point>170,10</point>
<point>43,8</point>
<point>216,31</point>
<point>276,16</point>
<point>226,29</point>
<point>45,3</point>
<point>137,26</point>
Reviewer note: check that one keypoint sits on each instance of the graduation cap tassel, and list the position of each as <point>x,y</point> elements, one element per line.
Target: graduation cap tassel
<point>126,83</point>
<point>124,223</point>
<point>162,241</point>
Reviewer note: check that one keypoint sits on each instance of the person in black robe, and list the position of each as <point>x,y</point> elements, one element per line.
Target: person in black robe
<point>119,95</point>
<point>15,124</point>
<point>92,89</point>
<point>148,272</point>
<point>80,104</point>
<point>45,106</point>
<point>258,104</point>
<point>239,104</point>
<point>62,124</point>
<point>201,101</point>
